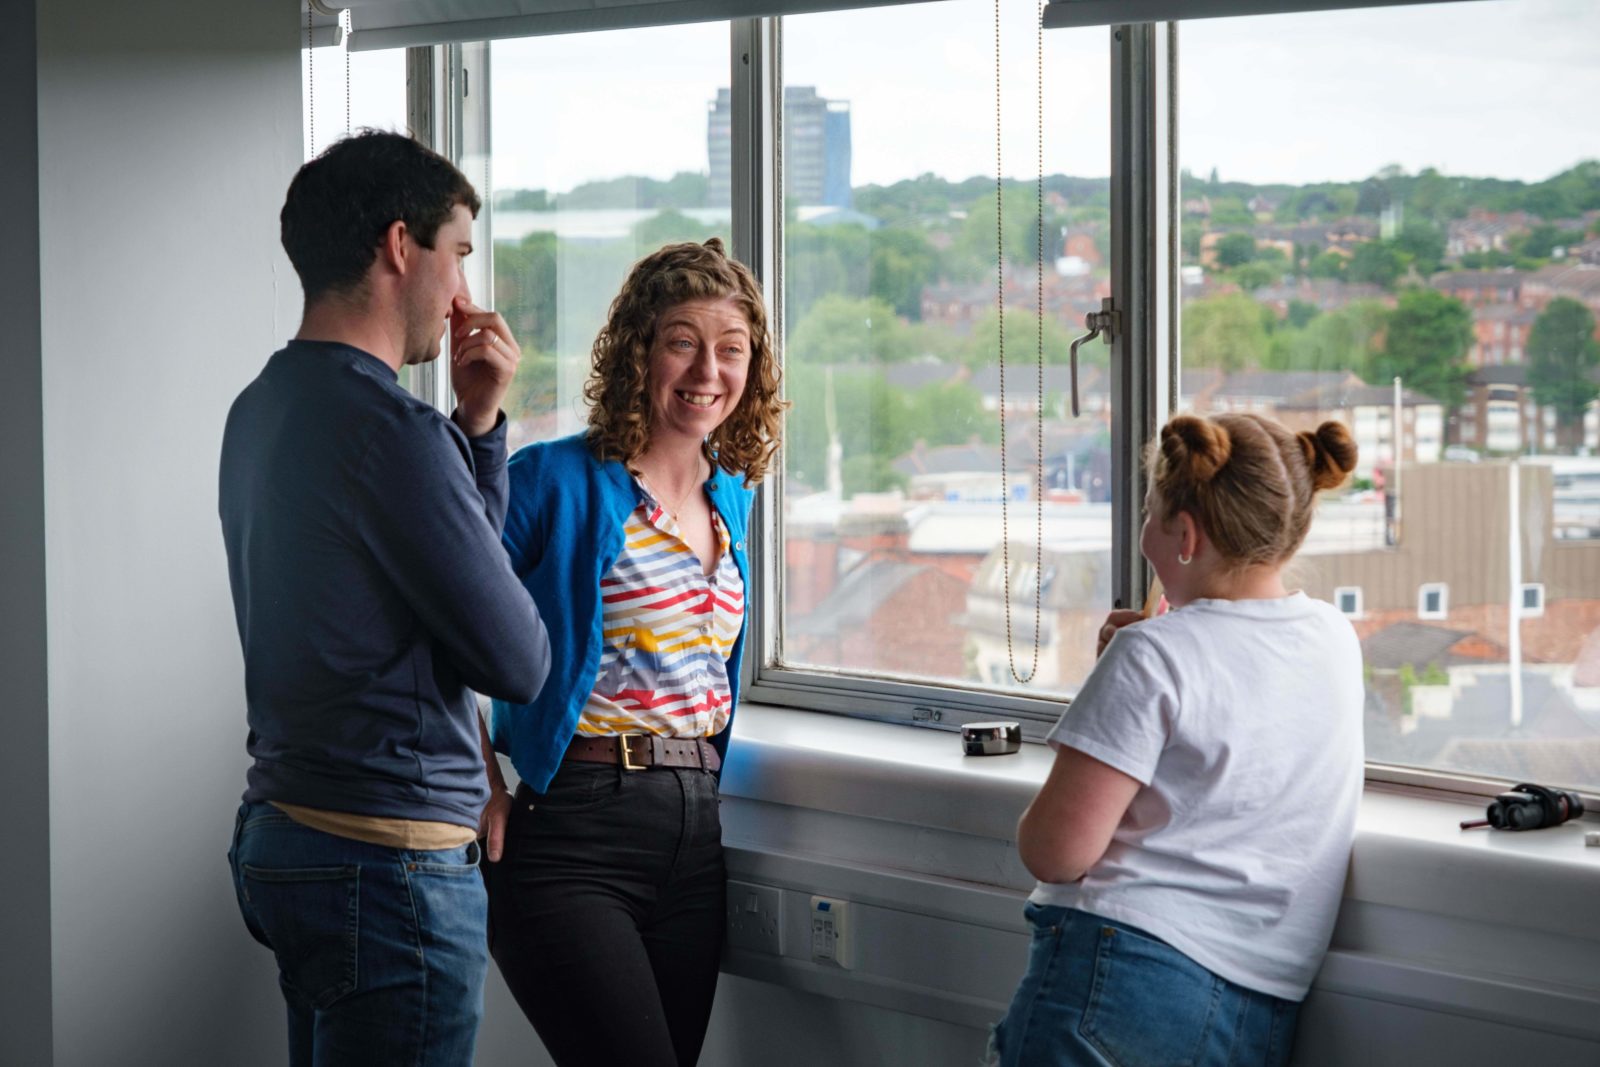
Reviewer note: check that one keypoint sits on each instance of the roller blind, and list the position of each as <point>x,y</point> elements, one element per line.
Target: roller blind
<point>1066,14</point>
<point>378,24</point>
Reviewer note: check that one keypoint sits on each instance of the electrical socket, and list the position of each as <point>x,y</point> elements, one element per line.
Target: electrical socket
<point>755,918</point>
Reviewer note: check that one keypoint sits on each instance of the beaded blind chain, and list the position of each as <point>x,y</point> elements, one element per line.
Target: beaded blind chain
<point>311,84</point>
<point>344,37</point>
<point>1000,300</point>
<point>345,23</point>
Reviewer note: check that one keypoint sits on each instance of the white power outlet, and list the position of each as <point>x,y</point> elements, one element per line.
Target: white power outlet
<point>830,932</point>
<point>755,918</point>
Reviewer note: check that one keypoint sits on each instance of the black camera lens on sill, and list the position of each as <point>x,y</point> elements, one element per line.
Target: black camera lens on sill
<point>1529,807</point>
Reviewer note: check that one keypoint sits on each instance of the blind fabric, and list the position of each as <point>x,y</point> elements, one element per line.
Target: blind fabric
<point>1067,14</point>
<point>379,24</point>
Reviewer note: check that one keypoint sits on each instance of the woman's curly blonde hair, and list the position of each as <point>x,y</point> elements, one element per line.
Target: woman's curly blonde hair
<point>619,405</point>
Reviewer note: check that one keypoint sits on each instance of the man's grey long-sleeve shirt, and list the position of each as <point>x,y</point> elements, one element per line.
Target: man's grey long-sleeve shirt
<point>370,589</point>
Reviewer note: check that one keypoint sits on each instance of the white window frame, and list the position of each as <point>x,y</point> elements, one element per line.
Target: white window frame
<point>1537,610</point>
<point>1140,388</point>
<point>1143,99</point>
<point>1356,612</point>
<point>1423,590</point>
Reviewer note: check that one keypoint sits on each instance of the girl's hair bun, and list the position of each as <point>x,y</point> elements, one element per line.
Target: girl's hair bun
<point>1197,447</point>
<point>1330,454</point>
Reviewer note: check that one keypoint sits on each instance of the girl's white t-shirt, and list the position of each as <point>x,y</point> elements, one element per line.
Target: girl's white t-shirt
<point>1242,719</point>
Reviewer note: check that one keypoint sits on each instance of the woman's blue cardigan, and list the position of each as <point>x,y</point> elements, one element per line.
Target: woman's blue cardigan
<point>563,532</point>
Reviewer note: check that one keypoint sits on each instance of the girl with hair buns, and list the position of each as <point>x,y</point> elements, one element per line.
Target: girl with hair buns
<point>1192,837</point>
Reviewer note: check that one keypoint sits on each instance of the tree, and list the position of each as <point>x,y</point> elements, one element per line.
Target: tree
<point>1252,276</point>
<point>1226,333</point>
<point>1300,313</point>
<point>901,264</point>
<point>1337,340</point>
<point>838,330</point>
<point>975,242</point>
<point>674,227</point>
<point>525,289</point>
<point>1562,357</point>
<point>1234,250</point>
<point>871,420</point>
<point>1327,265</point>
<point>1425,345</point>
<point>950,413</point>
<point>1542,241</point>
<point>819,260</point>
<point>981,348</point>
<point>1425,245</point>
<point>1375,263</point>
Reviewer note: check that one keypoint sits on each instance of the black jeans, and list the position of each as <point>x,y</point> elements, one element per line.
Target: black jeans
<point>606,913</point>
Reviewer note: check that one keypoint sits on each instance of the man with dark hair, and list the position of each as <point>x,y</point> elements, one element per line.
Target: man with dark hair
<point>372,596</point>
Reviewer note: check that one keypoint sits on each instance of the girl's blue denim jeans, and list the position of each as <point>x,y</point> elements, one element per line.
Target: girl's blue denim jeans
<point>1101,993</point>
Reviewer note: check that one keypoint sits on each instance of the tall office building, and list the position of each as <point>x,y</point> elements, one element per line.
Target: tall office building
<point>816,147</point>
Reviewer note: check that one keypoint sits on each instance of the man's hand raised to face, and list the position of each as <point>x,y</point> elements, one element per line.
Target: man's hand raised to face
<point>483,360</point>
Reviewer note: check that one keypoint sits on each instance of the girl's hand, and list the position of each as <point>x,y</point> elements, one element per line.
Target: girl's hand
<point>1114,622</point>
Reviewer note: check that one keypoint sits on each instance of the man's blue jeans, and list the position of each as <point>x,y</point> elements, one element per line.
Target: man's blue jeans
<point>381,951</point>
<point>1101,993</point>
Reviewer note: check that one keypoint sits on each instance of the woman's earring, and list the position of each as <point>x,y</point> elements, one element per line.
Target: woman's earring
<point>1183,560</point>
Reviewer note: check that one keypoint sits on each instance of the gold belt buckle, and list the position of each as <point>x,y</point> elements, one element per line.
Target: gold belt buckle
<point>627,760</point>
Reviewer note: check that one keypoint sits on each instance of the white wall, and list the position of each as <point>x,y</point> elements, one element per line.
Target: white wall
<point>167,135</point>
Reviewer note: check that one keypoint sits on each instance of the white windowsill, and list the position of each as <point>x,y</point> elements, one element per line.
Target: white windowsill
<point>1409,852</point>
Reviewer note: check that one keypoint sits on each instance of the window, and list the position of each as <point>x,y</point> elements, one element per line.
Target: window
<point>1360,189</point>
<point>577,194</point>
<point>376,96</point>
<point>1336,212</point>
<point>893,500</point>
<point>1433,601</point>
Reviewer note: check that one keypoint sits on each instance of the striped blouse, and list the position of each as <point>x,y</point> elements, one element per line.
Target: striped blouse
<point>668,631</point>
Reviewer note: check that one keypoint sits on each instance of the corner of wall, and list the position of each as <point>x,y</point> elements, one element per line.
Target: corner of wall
<point>25,964</point>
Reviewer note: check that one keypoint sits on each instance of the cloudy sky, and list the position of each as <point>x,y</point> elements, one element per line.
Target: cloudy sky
<point>1500,88</point>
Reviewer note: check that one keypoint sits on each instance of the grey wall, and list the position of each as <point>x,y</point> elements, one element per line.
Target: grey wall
<point>167,135</point>
<point>24,755</point>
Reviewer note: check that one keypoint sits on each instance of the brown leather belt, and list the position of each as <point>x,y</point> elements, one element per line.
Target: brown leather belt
<point>638,752</point>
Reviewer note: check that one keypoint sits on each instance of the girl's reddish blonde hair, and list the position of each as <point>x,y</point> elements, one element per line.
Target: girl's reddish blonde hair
<point>1247,480</point>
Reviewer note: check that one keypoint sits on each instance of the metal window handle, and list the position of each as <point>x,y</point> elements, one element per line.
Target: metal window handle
<point>1104,324</point>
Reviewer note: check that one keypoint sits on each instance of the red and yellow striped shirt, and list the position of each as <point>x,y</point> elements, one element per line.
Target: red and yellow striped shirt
<point>668,630</point>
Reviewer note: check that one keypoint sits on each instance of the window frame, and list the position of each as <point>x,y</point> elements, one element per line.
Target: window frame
<point>1536,611</point>
<point>1145,381</point>
<point>1356,612</point>
<point>1443,611</point>
<point>1141,379</point>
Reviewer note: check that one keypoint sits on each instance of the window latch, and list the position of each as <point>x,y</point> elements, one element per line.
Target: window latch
<point>1105,324</point>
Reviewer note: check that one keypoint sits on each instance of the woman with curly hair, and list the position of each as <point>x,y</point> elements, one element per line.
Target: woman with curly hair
<point>606,908</point>
<point>1192,838</point>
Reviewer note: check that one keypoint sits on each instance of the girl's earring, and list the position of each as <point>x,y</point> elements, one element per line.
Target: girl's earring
<point>1183,560</point>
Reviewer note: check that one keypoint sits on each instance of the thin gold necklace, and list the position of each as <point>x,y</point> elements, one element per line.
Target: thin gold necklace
<point>672,509</point>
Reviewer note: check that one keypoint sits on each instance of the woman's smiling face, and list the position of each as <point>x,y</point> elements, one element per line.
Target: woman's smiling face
<point>698,364</point>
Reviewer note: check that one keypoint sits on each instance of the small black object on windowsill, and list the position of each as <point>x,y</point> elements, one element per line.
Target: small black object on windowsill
<point>991,738</point>
<point>1529,807</point>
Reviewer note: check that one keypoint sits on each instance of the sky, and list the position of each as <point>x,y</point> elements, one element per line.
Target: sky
<point>1491,88</point>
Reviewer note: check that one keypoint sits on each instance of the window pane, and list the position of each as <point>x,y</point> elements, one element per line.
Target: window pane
<point>892,513</point>
<point>374,97</point>
<point>602,145</point>
<point>1359,246</point>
